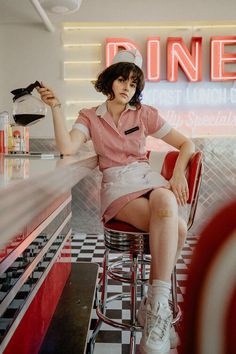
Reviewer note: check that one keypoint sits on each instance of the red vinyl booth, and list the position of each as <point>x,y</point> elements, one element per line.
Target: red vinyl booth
<point>209,321</point>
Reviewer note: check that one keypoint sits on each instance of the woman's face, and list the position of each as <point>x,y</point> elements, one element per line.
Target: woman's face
<point>123,89</point>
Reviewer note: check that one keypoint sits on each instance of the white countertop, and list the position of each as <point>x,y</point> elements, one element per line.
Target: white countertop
<point>16,168</point>
<point>30,184</point>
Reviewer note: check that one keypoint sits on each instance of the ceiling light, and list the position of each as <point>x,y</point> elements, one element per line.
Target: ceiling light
<point>61,7</point>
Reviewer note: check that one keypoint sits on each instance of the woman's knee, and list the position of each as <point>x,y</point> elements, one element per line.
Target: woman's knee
<point>162,201</point>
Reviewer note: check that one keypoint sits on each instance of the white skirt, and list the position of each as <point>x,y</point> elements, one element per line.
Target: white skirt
<point>122,180</point>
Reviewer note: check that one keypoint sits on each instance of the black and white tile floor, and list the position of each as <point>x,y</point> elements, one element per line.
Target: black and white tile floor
<point>112,340</point>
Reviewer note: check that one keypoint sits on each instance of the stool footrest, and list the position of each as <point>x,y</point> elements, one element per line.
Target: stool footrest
<point>124,279</point>
<point>128,326</point>
<point>116,271</point>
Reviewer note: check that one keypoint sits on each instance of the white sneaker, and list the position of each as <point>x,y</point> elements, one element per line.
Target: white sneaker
<point>156,334</point>
<point>141,316</point>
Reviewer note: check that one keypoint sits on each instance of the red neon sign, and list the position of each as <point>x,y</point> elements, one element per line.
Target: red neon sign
<point>219,58</point>
<point>178,55</point>
<point>153,59</point>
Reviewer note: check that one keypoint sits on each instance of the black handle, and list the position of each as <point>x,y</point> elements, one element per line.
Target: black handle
<point>30,88</point>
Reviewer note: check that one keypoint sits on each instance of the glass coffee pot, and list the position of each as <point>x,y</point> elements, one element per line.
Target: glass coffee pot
<point>27,109</point>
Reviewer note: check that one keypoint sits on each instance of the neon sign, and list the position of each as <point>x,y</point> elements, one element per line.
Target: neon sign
<point>219,58</point>
<point>178,55</point>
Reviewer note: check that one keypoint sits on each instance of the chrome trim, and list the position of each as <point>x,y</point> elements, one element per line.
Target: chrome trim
<point>12,293</point>
<point>130,242</point>
<point>31,297</point>
<point>133,288</point>
<point>124,276</point>
<point>102,287</point>
<point>7,262</point>
<point>194,203</point>
<point>132,342</point>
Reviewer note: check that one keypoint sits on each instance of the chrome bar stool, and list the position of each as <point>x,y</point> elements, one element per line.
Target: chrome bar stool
<point>132,264</point>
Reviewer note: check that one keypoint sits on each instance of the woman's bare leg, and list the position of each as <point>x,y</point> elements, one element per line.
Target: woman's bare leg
<point>167,233</point>
<point>137,213</point>
<point>159,215</point>
<point>163,232</point>
<point>182,234</point>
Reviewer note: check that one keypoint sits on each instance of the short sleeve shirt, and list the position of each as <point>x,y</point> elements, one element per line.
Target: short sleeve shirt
<point>123,144</point>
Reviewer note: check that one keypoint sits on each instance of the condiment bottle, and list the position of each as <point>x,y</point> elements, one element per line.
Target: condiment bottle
<point>4,121</point>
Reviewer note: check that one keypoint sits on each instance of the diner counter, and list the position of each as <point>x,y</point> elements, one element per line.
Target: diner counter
<point>35,249</point>
<point>28,184</point>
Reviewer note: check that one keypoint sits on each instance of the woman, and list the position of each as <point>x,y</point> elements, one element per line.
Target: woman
<point>131,191</point>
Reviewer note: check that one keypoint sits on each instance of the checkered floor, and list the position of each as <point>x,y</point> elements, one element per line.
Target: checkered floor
<point>112,340</point>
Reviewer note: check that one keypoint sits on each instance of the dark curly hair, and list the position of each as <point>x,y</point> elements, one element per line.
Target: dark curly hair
<point>111,73</point>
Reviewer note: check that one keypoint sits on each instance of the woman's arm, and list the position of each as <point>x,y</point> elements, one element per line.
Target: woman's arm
<point>67,142</point>
<point>186,148</point>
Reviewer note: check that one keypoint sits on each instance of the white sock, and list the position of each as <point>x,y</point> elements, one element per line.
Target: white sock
<point>160,291</point>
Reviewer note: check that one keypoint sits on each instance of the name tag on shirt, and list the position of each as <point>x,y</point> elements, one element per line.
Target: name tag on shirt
<point>131,130</point>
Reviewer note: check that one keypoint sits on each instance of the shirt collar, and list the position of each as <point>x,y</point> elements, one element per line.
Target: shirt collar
<point>102,109</point>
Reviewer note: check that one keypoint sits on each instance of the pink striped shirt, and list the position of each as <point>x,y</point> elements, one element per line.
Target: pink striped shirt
<point>126,143</point>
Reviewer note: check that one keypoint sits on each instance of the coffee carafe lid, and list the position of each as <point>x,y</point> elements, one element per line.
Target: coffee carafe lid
<point>24,91</point>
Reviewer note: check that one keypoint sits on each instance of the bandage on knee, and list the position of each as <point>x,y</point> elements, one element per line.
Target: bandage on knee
<point>164,213</point>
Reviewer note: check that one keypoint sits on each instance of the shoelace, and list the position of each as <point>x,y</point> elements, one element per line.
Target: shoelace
<point>157,326</point>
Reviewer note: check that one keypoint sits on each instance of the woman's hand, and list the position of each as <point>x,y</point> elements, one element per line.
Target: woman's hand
<point>47,96</point>
<point>179,187</point>
<point>178,181</point>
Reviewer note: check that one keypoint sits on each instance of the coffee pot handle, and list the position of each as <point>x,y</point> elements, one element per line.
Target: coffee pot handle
<point>30,88</point>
